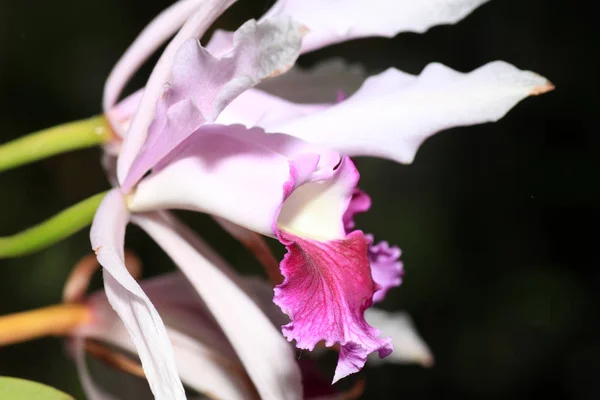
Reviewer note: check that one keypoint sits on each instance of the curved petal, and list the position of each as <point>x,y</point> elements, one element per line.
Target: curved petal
<point>394,112</point>
<point>206,12</point>
<point>203,85</point>
<point>334,21</point>
<point>409,347</point>
<point>139,316</point>
<point>268,359</point>
<point>146,43</point>
<point>198,342</point>
<point>326,290</point>
<point>241,175</point>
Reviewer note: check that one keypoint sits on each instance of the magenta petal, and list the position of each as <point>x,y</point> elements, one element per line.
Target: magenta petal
<point>359,203</point>
<point>327,288</point>
<point>386,268</point>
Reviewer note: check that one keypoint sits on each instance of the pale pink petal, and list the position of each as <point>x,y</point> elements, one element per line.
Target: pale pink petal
<point>238,174</point>
<point>269,361</point>
<point>220,43</point>
<point>409,347</point>
<point>202,85</point>
<point>206,12</point>
<point>334,21</point>
<point>198,342</point>
<point>141,319</point>
<point>386,268</point>
<point>146,43</point>
<point>327,288</point>
<point>394,112</point>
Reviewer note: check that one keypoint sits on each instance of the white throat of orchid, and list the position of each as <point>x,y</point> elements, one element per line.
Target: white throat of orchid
<point>315,210</point>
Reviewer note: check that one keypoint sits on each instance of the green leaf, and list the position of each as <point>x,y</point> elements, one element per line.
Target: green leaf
<point>21,389</point>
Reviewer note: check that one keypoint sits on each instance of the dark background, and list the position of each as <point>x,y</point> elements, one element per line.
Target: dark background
<point>498,222</point>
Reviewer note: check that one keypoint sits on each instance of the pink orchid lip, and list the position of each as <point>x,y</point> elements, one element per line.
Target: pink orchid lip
<point>326,289</point>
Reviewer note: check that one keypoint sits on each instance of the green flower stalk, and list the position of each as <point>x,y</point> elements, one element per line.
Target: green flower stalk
<point>56,140</point>
<point>51,231</point>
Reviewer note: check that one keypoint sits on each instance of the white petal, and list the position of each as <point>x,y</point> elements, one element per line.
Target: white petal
<point>141,319</point>
<point>268,358</point>
<point>409,347</point>
<point>206,12</point>
<point>394,112</point>
<point>334,21</point>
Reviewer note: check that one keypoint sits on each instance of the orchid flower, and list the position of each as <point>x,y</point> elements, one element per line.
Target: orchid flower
<point>282,169</point>
<point>202,135</point>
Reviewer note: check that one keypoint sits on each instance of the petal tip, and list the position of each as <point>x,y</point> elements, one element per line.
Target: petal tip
<point>427,361</point>
<point>541,89</point>
<point>304,30</point>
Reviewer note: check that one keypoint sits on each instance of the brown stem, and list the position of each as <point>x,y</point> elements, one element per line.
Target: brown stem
<point>114,359</point>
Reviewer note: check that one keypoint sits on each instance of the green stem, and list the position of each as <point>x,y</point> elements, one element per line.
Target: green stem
<point>59,139</point>
<point>51,231</point>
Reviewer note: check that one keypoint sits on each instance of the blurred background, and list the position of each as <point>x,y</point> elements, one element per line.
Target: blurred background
<point>497,222</point>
